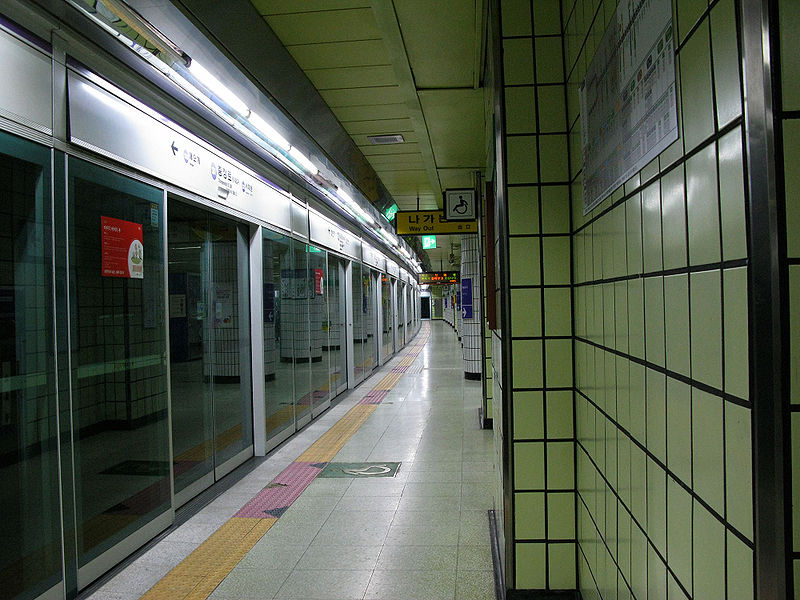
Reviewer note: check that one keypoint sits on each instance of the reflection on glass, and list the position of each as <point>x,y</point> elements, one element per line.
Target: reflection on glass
<point>386,308</point>
<point>278,373</point>
<point>319,321</point>
<point>30,552</point>
<point>299,348</point>
<point>209,341</point>
<point>118,334</point>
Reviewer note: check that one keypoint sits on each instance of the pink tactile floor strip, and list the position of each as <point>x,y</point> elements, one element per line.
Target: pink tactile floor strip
<point>374,397</point>
<point>274,499</point>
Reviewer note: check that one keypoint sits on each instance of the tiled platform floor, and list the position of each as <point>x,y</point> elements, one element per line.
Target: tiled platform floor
<point>422,534</point>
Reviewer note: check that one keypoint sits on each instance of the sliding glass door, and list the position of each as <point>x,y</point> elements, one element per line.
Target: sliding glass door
<point>209,321</point>
<point>30,528</point>
<point>119,362</point>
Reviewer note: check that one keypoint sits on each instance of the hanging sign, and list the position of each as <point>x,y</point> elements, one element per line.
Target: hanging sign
<point>122,248</point>
<point>418,222</point>
<point>627,100</point>
<point>466,298</point>
<point>459,205</point>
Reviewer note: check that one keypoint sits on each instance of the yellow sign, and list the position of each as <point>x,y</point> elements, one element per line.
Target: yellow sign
<point>424,222</point>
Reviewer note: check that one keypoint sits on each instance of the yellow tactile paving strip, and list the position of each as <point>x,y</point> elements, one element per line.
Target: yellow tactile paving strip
<point>198,575</point>
<point>205,568</point>
<point>326,447</point>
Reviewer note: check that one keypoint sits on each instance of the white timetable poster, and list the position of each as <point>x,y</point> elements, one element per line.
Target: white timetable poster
<point>628,106</point>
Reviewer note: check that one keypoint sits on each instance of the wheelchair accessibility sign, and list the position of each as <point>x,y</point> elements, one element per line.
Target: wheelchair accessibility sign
<point>459,205</point>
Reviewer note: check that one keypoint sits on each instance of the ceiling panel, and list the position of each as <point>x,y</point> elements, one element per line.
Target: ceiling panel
<point>351,77</point>
<point>379,126</point>
<point>363,96</point>
<point>384,149</point>
<point>444,29</point>
<point>325,26</point>
<point>370,113</point>
<point>456,126</point>
<point>339,54</point>
<point>456,178</point>
<point>277,7</point>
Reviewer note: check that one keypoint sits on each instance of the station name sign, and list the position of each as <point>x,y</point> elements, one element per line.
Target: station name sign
<point>426,222</point>
<point>438,278</point>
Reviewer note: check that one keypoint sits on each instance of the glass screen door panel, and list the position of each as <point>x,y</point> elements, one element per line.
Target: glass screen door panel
<point>398,316</point>
<point>229,348</point>
<point>209,320</point>
<point>387,320</point>
<point>189,253</point>
<point>319,323</point>
<point>30,531</point>
<point>118,346</point>
<point>359,329</point>
<point>298,348</point>
<point>278,373</point>
<point>337,319</point>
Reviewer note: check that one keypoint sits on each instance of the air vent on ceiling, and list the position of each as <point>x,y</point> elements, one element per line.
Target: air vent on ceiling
<point>386,139</point>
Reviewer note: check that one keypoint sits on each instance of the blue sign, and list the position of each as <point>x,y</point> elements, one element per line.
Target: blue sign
<point>466,297</point>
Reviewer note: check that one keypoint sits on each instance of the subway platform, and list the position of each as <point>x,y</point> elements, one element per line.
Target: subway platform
<point>383,497</point>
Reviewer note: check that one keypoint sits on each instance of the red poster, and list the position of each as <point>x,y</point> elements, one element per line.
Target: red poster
<point>318,281</point>
<point>123,251</point>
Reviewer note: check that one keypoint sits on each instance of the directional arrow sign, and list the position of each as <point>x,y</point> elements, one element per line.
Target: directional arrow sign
<point>174,149</point>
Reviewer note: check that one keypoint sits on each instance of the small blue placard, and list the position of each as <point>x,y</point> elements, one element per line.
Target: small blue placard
<point>466,297</point>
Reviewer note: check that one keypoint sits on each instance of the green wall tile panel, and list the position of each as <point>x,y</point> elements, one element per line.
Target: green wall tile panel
<point>520,109</point>
<point>531,565</point>
<point>703,207</point>
<point>679,532</point>
<point>726,63</point>
<point>696,98</point>
<point>679,430</point>
<point>731,197</point>
<point>524,261</point>
<point>528,415</point>
<point>515,17</point>
<point>527,363</point>
<point>518,61</point>
<point>526,312</point>
<point>521,157</point>
<point>737,365</point>
<point>738,468</point>
<point>676,315</point>
<point>523,210</point>
<point>706,334</point>
<point>673,219</point>
<point>708,559</point>
<point>529,465</point>
<point>529,515</point>
<point>707,449</point>
<point>559,411</point>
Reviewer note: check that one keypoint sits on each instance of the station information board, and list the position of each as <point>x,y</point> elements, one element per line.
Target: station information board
<point>438,278</point>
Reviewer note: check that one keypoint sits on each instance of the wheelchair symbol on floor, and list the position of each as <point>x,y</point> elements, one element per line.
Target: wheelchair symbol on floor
<point>367,471</point>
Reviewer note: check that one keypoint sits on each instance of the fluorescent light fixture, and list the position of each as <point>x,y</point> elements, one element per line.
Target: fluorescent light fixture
<point>269,132</point>
<point>303,160</point>
<point>215,86</point>
<point>387,236</point>
<point>362,214</point>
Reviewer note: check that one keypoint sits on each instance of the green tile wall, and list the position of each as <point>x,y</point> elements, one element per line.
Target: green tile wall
<point>660,274</point>
<point>539,250</point>
<point>789,18</point>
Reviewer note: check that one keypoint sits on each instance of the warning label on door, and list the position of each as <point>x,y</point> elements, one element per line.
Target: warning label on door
<point>123,250</point>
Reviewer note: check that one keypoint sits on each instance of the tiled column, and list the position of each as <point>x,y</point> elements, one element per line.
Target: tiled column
<point>471,327</point>
<point>538,400</point>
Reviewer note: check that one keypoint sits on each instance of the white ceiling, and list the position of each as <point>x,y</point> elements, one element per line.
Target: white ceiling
<point>409,67</point>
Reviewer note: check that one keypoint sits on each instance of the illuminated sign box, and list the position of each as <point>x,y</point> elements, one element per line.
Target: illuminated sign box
<point>428,242</point>
<point>427,222</point>
<point>439,278</point>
